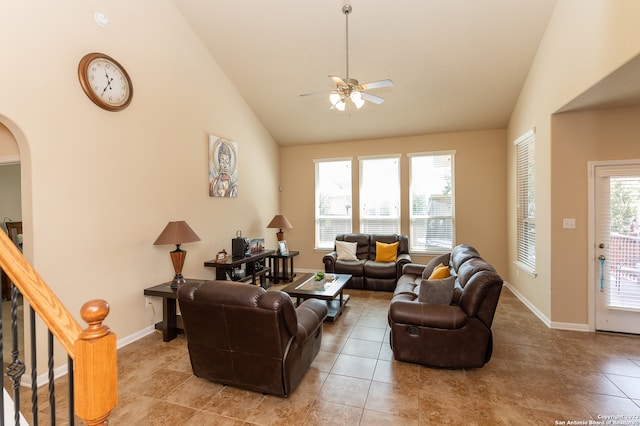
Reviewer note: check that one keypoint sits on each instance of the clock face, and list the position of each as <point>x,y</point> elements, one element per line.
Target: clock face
<point>105,81</point>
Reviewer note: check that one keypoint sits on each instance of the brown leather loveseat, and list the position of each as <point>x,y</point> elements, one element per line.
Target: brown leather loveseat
<point>244,336</point>
<point>366,272</point>
<point>455,331</point>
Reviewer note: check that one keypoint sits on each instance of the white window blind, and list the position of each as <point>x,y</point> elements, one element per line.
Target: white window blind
<point>526,202</point>
<point>431,200</point>
<point>333,209</point>
<point>380,195</point>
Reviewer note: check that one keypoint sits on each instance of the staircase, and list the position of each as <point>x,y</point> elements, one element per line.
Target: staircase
<point>92,366</point>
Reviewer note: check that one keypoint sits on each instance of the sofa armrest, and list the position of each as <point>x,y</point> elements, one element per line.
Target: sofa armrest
<point>413,268</point>
<point>449,317</point>
<point>311,313</point>
<point>403,259</point>
<point>329,260</point>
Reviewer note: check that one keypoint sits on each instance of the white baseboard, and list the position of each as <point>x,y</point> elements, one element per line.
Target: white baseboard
<point>135,336</point>
<point>546,321</point>
<point>571,326</point>
<point>43,379</point>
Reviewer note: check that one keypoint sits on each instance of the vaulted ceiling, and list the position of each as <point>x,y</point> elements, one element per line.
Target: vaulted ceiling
<point>456,65</point>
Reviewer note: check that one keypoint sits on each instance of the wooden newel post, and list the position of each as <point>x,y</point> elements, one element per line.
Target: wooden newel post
<point>95,366</point>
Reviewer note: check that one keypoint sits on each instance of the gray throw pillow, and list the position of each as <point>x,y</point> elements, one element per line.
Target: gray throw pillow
<point>439,292</point>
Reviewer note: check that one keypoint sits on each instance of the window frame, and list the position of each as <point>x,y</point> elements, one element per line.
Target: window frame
<point>526,202</point>
<point>348,218</point>
<point>412,217</point>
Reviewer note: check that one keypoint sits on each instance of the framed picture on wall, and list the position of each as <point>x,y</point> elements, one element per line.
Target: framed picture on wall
<point>282,247</point>
<point>223,167</point>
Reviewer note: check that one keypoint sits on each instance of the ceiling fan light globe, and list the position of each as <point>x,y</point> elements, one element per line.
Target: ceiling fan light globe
<point>334,98</point>
<point>359,102</point>
<point>355,96</point>
<point>340,105</point>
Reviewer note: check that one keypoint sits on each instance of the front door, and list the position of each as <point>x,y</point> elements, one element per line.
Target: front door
<point>617,239</point>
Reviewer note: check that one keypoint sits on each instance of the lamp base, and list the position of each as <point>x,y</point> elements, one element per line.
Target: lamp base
<point>178,280</point>
<point>177,258</point>
<point>280,235</point>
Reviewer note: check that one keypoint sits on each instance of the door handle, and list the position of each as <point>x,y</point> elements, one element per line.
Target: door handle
<point>602,259</point>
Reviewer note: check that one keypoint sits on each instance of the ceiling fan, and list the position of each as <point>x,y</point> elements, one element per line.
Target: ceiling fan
<point>349,88</point>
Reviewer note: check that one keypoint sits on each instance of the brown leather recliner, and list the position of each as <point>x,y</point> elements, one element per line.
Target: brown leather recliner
<point>244,336</point>
<point>455,335</point>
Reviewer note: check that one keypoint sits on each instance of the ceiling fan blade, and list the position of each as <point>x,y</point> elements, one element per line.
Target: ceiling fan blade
<point>371,98</point>
<point>376,84</point>
<point>322,92</point>
<point>337,80</point>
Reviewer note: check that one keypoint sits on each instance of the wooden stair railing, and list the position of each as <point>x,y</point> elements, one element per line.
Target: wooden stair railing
<point>93,349</point>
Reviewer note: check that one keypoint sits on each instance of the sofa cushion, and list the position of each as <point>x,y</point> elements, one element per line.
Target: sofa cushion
<point>439,272</point>
<point>346,250</point>
<point>380,270</point>
<point>386,252</point>
<point>438,292</point>
<point>461,254</point>
<point>407,287</point>
<point>351,267</point>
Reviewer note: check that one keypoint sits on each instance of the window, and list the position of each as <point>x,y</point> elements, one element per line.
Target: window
<point>380,195</point>
<point>431,201</point>
<point>333,201</point>
<point>526,202</point>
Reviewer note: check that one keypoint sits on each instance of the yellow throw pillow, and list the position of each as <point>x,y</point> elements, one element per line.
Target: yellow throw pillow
<point>386,252</point>
<point>440,272</point>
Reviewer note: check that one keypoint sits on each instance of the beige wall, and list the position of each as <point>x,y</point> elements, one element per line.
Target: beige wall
<point>480,184</point>
<point>98,187</point>
<point>584,42</point>
<point>8,146</point>
<point>599,135</point>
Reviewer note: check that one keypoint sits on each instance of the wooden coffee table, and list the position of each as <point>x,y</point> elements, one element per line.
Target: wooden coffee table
<point>331,291</point>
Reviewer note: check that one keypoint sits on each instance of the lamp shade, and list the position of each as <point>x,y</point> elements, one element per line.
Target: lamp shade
<point>279,221</point>
<point>176,233</point>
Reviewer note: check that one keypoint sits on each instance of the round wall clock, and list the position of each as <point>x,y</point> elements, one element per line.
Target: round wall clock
<point>105,81</point>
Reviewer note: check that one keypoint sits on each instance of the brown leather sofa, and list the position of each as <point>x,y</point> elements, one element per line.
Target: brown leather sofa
<point>244,336</point>
<point>366,272</point>
<point>455,335</point>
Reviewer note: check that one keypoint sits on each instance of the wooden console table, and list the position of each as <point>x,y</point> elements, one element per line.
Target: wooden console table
<point>254,269</point>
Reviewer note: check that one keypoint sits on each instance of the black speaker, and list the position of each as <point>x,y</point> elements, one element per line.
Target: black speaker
<point>239,247</point>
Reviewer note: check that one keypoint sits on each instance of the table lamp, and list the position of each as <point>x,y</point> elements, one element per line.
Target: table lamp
<point>177,233</point>
<point>279,221</point>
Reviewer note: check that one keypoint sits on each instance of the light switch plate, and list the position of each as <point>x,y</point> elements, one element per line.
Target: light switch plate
<point>568,223</point>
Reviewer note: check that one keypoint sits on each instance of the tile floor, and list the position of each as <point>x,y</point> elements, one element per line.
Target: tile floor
<point>537,376</point>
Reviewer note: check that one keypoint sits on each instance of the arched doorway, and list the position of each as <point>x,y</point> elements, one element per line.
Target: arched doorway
<point>11,213</point>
